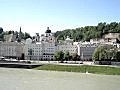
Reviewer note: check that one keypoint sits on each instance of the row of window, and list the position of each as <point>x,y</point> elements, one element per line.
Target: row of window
<point>34,54</point>
<point>36,48</point>
<point>65,47</point>
<point>9,54</point>
<point>48,56</point>
<point>48,50</point>
<point>41,51</point>
<point>69,50</point>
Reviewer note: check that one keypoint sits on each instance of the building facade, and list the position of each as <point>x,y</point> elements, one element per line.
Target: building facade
<point>67,45</point>
<point>33,51</point>
<point>12,50</point>
<point>41,49</point>
<point>85,51</point>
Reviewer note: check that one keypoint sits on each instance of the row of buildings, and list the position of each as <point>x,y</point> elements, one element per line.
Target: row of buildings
<point>43,47</point>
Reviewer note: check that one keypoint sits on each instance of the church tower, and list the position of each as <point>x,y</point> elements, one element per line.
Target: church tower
<point>20,35</point>
<point>48,32</point>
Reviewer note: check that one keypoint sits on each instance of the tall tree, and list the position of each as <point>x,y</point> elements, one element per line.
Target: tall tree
<point>59,55</point>
<point>66,55</point>
<point>99,54</point>
<point>75,57</point>
<point>1,30</point>
<point>27,35</point>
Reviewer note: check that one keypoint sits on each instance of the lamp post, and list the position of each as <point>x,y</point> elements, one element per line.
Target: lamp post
<point>82,57</point>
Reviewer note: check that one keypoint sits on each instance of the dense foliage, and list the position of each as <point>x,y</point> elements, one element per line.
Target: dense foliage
<point>88,32</point>
<point>103,53</point>
<point>65,56</point>
<point>59,55</point>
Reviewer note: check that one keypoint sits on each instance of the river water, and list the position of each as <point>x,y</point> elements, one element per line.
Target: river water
<point>27,79</point>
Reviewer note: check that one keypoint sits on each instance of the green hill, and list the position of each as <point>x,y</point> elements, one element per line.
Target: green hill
<point>89,32</point>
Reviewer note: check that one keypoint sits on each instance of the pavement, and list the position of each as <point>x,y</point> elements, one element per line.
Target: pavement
<point>77,63</point>
<point>65,62</point>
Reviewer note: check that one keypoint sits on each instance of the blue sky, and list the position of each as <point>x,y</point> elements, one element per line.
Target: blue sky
<point>35,15</point>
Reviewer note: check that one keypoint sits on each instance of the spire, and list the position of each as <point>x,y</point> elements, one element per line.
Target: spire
<point>20,29</point>
<point>20,35</point>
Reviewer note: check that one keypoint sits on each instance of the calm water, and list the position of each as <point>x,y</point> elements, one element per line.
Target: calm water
<point>25,79</point>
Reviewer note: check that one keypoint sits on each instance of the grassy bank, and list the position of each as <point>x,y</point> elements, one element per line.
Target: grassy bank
<point>82,69</point>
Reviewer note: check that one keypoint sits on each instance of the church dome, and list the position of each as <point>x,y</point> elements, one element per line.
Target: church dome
<point>48,30</point>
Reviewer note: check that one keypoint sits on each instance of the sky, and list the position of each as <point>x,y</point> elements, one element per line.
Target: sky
<point>34,16</point>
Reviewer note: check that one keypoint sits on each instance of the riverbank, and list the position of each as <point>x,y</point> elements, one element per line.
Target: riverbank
<point>106,70</point>
<point>17,64</point>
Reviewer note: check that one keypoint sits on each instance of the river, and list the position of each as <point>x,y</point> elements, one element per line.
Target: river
<point>27,79</point>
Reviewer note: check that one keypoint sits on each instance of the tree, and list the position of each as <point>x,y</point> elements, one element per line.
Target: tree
<point>89,32</point>
<point>59,56</point>
<point>118,56</point>
<point>27,35</point>
<point>66,55</point>
<point>11,32</point>
<point>2,36</point>
<point>75,57</point>
<point>1,30</point>
<point>99,54</point>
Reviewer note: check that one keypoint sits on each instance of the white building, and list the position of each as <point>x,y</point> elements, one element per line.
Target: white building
<point>46,48</point>
<point>48,45</point>
<point>12,50</point>
<point>33,51</point>
<point>67,45</point>
<point>10,38</point>
<point>43,50</point>
<point>85,50</point>
<point>70,48</point>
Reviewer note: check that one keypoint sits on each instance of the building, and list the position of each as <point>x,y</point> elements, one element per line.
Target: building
<point>112,37</point>
<point>13,36</point>
<point>43,49</point>
<point>33,51</point>
<point>85,50</point>
<point>48,45</point>
<point>10,38</point>
<point>12,50</point>
<point>70,48</point>
<point>67,45</point>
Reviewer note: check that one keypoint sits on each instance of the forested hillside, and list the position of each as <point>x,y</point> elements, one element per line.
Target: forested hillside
<point>88,32</point>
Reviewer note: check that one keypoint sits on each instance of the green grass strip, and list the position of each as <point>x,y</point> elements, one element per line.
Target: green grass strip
<point>82,69</point>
